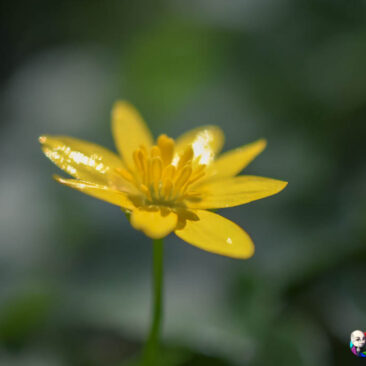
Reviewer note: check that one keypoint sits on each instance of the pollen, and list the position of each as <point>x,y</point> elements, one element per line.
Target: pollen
<point>162,178</point>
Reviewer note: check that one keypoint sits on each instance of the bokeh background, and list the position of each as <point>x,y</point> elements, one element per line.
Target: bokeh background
<point>75,277</point>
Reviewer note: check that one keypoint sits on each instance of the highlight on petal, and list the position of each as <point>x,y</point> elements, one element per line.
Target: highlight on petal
<point>205,141</point>
<point>216,234</point>
<point>234,161</point>
<point>98,191</point>
<point>81,159</point>
<point>155,223</point>
<point>236,191</point>
<point>129,131</point>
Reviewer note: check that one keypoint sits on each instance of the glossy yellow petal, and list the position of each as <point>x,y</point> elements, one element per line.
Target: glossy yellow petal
<point>129,131</point>
<point>236,191</point>
<point>205,141</point>
<point>234,161</point>
<point>98,191</point>
<point>216,234</point>
<point>81,159</point>
<point>155,223</point>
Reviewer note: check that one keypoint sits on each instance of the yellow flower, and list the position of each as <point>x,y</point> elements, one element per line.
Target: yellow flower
<point>170,185</point>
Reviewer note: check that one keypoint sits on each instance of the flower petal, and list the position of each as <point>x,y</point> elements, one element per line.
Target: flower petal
<point>81,159</point>
<point>129,131</point>
<point>205,141</point>
<point>98,191</point>
<point>234,161</point>
<point>155,223</point>
<point>236,191</point>
<point>216,234</point>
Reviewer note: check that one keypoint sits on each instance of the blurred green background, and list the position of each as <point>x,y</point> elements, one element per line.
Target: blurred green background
<point>75,277</point>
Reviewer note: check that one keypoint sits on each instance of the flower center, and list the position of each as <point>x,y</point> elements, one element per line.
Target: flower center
<point>162,177</point>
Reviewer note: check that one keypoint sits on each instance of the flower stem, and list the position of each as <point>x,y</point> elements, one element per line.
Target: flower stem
<point>151,350</point>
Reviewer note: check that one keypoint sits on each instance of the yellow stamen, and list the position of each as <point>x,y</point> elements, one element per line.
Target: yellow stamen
<point>196,177</point>
<point>155,151</point>
<point>156,170</point>
<point>187,156</point>
<point>157,178</point>
<point>167,190</point>
<point>146,191</point>
<point>142,165</point>
<point>169,172</point>
<point>166,145</point>
<point>183,177</point>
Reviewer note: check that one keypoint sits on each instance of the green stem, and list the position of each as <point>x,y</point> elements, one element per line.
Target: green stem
<point>151,350</point>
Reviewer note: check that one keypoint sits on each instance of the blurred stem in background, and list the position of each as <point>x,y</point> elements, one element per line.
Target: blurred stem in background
<point>151,351</point>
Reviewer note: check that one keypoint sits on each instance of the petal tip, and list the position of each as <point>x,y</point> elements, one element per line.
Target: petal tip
<point>42,139</point>
<point>250,253</point>
<point>259,145</point>
<point>120,106</point>
<point>58,178</point>
<point>246,252</point>
<point>153,224</point>
<point>154,236</point>
<point>263,143</point>
<point>281,185</point>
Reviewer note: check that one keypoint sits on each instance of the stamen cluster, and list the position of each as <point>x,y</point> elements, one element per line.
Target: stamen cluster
<point>162,177</point>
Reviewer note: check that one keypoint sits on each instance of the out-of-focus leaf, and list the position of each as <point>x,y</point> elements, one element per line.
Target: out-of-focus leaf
<point>22,316</point>
<point>170,62</point>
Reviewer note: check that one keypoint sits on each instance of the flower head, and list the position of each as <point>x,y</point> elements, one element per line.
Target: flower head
<point>167,185</point>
